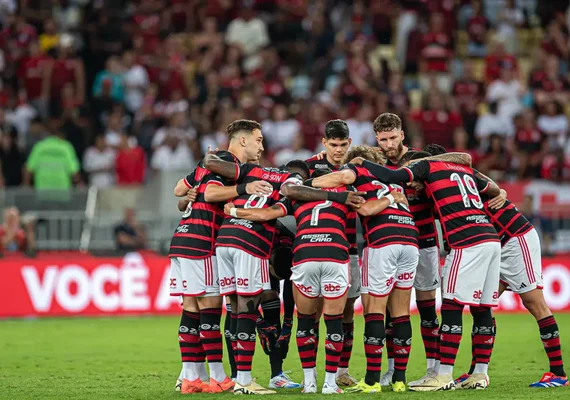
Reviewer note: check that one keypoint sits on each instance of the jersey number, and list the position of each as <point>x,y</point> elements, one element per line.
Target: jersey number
<point>317,211</point>
<point>467,184</point>
<point>385,190</point>
<point>260,203</point>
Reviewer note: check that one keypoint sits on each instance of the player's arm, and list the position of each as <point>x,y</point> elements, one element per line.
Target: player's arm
<point>183,204</point>
<point>455,158</point>
<point>256,214</point>
<point>387,175</point>
<point>487,186</point>
<point>183,185</point>
<point>215,164</point>
<point>376,206</point>
<point>334,179</point>
<point>305,194</point>
<point>217,192</point>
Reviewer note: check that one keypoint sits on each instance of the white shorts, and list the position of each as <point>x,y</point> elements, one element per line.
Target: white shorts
<point>470,275</point>
<point>242,273</point>
<point>428,273</point>
<point>194,277</point>
<point>355,281</point>
<point>521,263</point>
<point>388,267</point>
<point>321,278</point>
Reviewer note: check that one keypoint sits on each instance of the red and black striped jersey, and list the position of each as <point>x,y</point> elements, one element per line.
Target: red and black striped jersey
<point>196,233</point>
<point>394,225</point>
<point>391,165</point>
<point>421,207</point>
<point>321,227</point>
<point>314,164</point>
<point>255,238</point>
<point>507,220</point>
<point>455,191</point>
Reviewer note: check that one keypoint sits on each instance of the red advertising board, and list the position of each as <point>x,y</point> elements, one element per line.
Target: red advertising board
<point>74,284</point>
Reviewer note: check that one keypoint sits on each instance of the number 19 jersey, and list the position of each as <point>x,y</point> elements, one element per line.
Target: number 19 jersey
<point>455,191</point>
<point>255,238</point>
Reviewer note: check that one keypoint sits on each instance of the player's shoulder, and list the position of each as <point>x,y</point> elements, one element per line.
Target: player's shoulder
<point>227,156</point>
<point>315,163</point>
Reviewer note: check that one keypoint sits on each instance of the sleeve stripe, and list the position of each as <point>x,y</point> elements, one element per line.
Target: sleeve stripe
<point>237,172</point>
<point>409,171</point>
<point>351,170</point>
<point>217,183</point>
<point>283,207</point>
<point>485,188</point>
<point>188,185</point>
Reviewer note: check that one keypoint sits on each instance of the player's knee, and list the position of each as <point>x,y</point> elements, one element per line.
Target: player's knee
<point>534,302</point>
<point>348,314</point>
<point>269,295</point>
<point>248,304</point>
<point>482,316</point>
<point>190,303</point>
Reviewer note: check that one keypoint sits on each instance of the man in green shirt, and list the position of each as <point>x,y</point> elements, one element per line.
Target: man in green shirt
<point>53,164</point>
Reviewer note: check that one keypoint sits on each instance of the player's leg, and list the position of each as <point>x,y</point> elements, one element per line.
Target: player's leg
<point>317,322</point>
<point>252,278</point>
<point>306,292</point>
<point>335,279</point>
<point>343,376</point>
<point>386,378</point>
<point>377,283</point>
<point>227,282</point>
<point>176,290</point>
<point>399,306</point>
<point>230,325</point>
<point>521,270</point>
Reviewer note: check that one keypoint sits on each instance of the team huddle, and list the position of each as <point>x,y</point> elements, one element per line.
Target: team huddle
<point>230,243</point>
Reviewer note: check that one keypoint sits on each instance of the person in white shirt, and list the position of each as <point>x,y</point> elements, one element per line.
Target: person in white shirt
<point>510,18</point>
<point>554,124</point>
<point>99,163</point>
<point>492,123</point>
<point>178,127</point>
<point>114,130</point>
<point>507,92</point>
<point>136,82</point>
<point>250,34</point>
<point>173,155</point>
<point>361,127</point>
<point>280,130</point>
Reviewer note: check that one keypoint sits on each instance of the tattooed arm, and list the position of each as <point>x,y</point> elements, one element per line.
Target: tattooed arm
<point>304,193</point>
<point>218,166</point>
<point>455,158</point>
<point>335,179</point>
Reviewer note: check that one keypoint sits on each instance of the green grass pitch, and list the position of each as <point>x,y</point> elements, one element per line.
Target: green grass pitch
<point>138,358</point>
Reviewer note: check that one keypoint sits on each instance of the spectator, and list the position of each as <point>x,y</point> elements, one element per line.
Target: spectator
<point>49,39</point>
<point>177,127</point>
<point>554,125</point>
<point>528,141</point>
<point>36,132</point>
<point>468,91</point>
<point>556,166</point>
<point>507,92</point>
<point>52,164</point>
<point>477,27</point>
<point>491,123</point>
<point>556,43</point>
<point>136,82</point>
<point>548,84</point>
<point>498,58</point>
<point>296,152</point>
<point>13,237</point>
<point>30,74</point>
<point>99,163</point>
<point>496,161</point>
<point>360,127</point>
<point>130,235</point>
<point>398,99</point>
<point>111,79</point>
<point>130,165</point>
<point>510,19</point>
<point>280,130</point>
<point>249,33</point>
<point>11,160</point>
<point>461,145</point>
<point>435,123</point>
<point>173,155</point>
<point>114,130</point>
<point>175,104</point>
<point>544,225</point>
<point>436,53</point>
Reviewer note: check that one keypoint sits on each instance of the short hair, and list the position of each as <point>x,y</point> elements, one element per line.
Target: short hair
<point>419,155</point>
<point>241,125</point>
<point>367,152</point>
<point>406,157</point>
<point>435,149</point>
<point>387,122</point>
<point>336,129</point>
<point>320,172</point>
<point>300,166</point>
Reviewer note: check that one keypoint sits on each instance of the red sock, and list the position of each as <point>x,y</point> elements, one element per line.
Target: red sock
<point>245,346</point>
<point>451,331</point>
<point>210,334</point>
<point>429,327</point>
<point>550,337</point>
<point>402,346</point>
<point>306,340</point>
<point>333,342</point>
<point>374,336</point>
<point>191,349</point>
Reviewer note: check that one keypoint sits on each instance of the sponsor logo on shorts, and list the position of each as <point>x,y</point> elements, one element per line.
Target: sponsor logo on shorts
<point>406,276</point>
<point>184,285</point>
<point>477,294</point>
<point>329,287</point>
<point>243,282</point>
<point>390,282</point>
<point>227,281</point>
<point>172,282</point>
<point>495,295</point>
<point>305,289</point>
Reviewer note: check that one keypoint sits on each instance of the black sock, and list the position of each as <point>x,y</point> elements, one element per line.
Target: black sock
<point>272,315</point>
<point>333,342</point>
<point>229,332</point>
<point>374,336</point>
<point>402,346</point>
<point>451,330</point>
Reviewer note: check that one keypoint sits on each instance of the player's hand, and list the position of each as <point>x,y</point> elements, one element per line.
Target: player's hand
<point>400,198</point>
<point>191,195</point>
<point>210,151</point>
<point>285,337</point>
<point>321,155</point>
<point>268,335</point>
<point>228,207</point>
<point>418,186</point>
<point>497,202</point>
<point>355,199</point>
<point>260,188</point>
<point>357,161</point>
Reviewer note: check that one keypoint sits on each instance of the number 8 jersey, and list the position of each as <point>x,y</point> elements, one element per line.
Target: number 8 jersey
<point>455,190</point>
<point>394,225</point>
<point>255,238</point>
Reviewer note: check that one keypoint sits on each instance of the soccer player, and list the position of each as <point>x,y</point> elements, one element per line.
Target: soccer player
<point>194,271</point>
<point>471,271</point>
<point>521,272</point>
<point>244,247</point>
<point>388,266</point>
<point>336,142</point>
<point>321,268</point>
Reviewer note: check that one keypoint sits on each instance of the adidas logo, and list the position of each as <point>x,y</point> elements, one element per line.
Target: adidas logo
<point>310,341</point>
<point>330,346</point>
<point>522,286</point>
<point>401,351</point>
<point>239,346</point>
<point>379,351</point>
<point>435,282</point>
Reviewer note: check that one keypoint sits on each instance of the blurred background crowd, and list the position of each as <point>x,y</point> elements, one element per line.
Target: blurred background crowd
<point>109,93</point>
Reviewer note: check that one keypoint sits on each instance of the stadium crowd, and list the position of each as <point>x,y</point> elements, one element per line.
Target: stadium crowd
<point>138,86</point>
